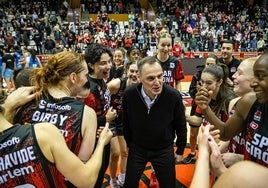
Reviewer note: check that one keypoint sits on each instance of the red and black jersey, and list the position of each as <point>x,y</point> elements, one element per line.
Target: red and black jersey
<point>116,101</point>
<point>22,162</point>
<point>66,113</point>
<point>256,134</point>
<point>99,99</point>
<point>236,144</point>
<point>172,70</point>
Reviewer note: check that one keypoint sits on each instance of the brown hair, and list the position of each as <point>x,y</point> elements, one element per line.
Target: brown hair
<point>58,66</point>
<point>3,96</point>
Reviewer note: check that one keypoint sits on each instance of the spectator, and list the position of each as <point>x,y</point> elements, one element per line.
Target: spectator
<point>1,67</point>
<point>253,44</point>
<point>260,45</point>
<point>38,38</point>
<point>9,41</point>
<point>193,43</point>
<point>49,45</point>
<point>131,18</point>
<point>177,49</point>
<point>8,66</point>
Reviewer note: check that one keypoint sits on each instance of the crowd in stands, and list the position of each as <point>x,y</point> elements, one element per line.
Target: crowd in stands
<point>198,25</point>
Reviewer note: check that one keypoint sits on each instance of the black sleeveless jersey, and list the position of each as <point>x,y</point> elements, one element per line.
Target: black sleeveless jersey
<point>116,101</point>
<point>99,99</point>
<point>256,134</point>
<point>236,144</point>
<point>66,113</point>
<point>22,162</point>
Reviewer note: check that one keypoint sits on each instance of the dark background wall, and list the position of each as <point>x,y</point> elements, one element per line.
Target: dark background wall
<point>189,65</point>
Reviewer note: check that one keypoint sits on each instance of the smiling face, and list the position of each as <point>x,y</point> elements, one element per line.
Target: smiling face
<point>243,77</point>
<point>209,82</point>
<point>227,51</point>
<point>151,77</point>
<point>260,81</point>
<point>101,69</point>
<point>118,58</point>
<point>132,74</point>
<point>135,55</point>
<point>164,46</point>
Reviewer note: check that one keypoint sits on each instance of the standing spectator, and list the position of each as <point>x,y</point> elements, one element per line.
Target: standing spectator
<point>9,64</point>
<point>244,45</point>
<point>112,43</point>
<point>9,41</point>
<point>19,58</point>
<point>49,45</point>
<point>228,59</point>
<point>71,40</point>
<point>131,21</point>
<point>141,39</point>
<point>210,43</point>
<point>128,42</point>
<point>260,45</point>
<point>143,129</point>
<point>113,26</point>
<point>37,37</point>
<point>177,49</point>
<point>153,42</point>
<point>193,43</point>
<point>253,44</point>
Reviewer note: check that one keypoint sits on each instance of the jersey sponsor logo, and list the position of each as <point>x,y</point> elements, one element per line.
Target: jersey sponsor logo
<point>257,115</point>
<point>10,142</point>
<point>253,125</point>
<point>257,148</point>
<point>233,69</point>
<point>51,106</point>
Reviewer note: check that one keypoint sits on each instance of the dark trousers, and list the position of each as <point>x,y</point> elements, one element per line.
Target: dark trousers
<point>104,166</point>
<point>162,160</point>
